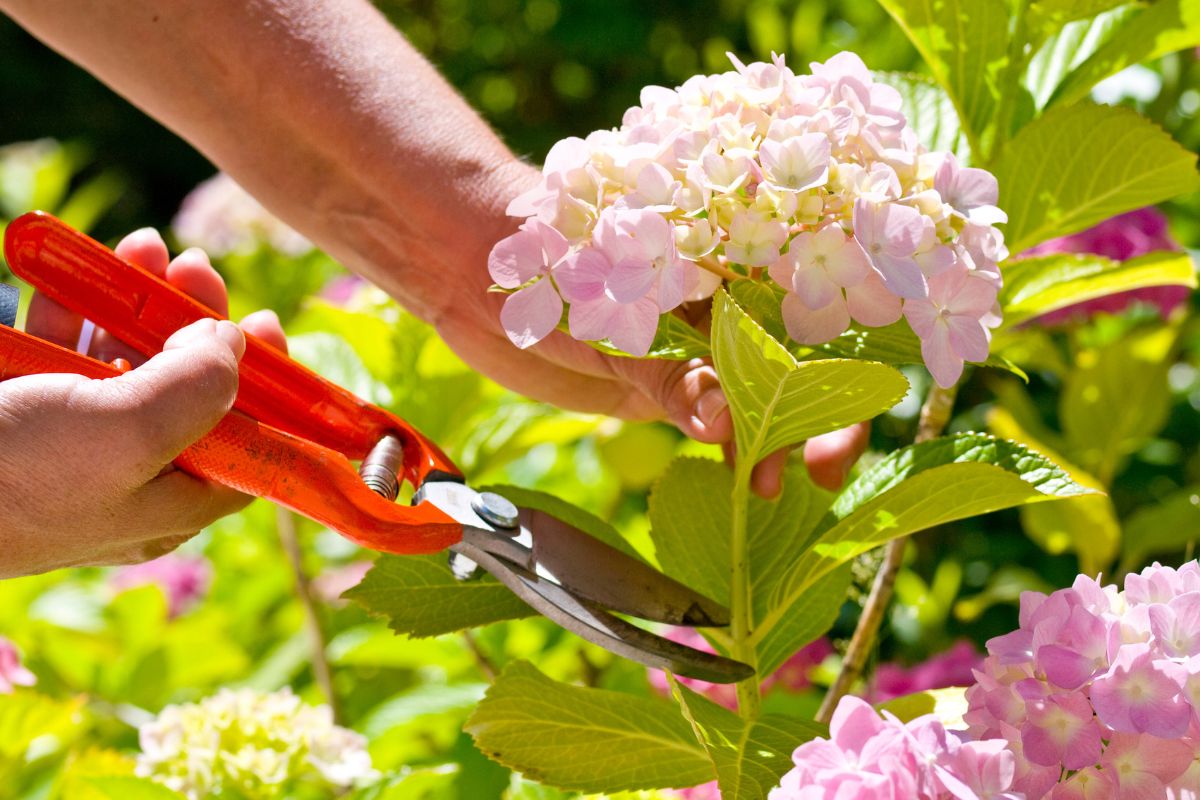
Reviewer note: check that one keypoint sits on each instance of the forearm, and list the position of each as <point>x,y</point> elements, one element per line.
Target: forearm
<point>322,111</point>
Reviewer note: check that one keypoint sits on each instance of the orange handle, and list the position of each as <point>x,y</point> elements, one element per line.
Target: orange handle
<point>143,310</point>
<point>251,457</point>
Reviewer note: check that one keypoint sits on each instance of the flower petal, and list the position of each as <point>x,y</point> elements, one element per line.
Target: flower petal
<point>530,314</point>
<point>814,326</point>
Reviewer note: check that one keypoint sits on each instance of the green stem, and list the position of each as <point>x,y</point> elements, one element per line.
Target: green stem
<point>740,608</point>
<point>935,414</point>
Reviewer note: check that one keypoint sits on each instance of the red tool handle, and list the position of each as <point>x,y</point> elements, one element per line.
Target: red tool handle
<point>143,310</point>
<point>251,457</point>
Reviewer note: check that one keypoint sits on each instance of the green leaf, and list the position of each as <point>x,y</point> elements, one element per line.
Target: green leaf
<point>761,302</point>
<point>918,487</point>
<point>420,597</point>
<point>1086,525</point>
<point>1039,285</point>
<point>1162,27</point>
<point>893,344</point>
<point>690,531</point>
<point>1167,526</point>
<point>676,340</point>
<point>585,739</point>
<point>776,401</point>
<point>1081,164</point>
<point>1046,17</point>
<point>1069,48</point>
<point>571,514</point>
<point>965,44</point>
<point>1116,398</point>
<point>126,787</point>
<point>26,715</point>
<point>750,756</point>
<point>929,111</point>
<point>334,359</point>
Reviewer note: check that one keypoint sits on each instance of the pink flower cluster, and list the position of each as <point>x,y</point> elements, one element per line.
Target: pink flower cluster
<point>183,579</point>
<point>816,178</point>
<point>869,757</point>
<point>1098,691</point>
<point>1122,237</point>
<point>954,667</point>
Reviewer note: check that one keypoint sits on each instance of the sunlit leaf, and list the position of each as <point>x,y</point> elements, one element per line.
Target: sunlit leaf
<point>749,756</point>
<point>948,705</point>
<point>1081,164</point>
<point>1039,285</point>
<point>1070,47</point>
<point>929,111</point>
<point>777,401</point>
<point>585,739</point>
<point>1161,528</point>
<point>131,788</point>
<point>965,44</point>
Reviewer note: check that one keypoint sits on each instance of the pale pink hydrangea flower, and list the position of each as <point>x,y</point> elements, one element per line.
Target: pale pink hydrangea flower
<point>183,579</point>
<point>332,583</point>
<point>816,178</point>
<point>12,672</point>
<point>1098,691</point>
<point>221,217</point>
<point>873,757</point>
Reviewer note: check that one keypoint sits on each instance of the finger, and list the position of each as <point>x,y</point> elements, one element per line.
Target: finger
<point>145,248</point>
<point>766,479</point>
<point>51,321</point>
<point>192,273</point>
<point>153,412</point>
<point>831,456</point>
<point>688,393</point>
<point>265,325</point>
<point>176,505</point>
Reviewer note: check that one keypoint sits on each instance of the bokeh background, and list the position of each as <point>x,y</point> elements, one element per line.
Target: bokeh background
<point>540,70</point>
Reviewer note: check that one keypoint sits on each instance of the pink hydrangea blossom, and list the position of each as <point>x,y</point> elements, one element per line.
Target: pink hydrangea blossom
<point>12,672</point>
<point>873,757</point>
<point>183,579</point>
<point>953,667</point>
<point>331,583</point>
<point>221,217</point>
<point>1125,236</point>
<point>816,178</point>
<point>1097,691</point>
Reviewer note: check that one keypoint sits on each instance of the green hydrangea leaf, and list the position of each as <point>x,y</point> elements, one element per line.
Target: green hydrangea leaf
<point>749,756</point>
<point>1168,526</point>
<point>1079,165</point>
<point>775,400</point>
<point>127,787</point>
<point>1039,285</point>
<point>929,111</point>
<point>585,739</point>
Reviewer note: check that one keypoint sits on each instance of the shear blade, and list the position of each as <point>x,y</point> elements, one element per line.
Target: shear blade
<point>591,622</point>
<point>612,579</point>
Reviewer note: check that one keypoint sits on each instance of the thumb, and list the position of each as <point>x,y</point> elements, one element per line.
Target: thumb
<point>685,392</point>
<point>156,410</point>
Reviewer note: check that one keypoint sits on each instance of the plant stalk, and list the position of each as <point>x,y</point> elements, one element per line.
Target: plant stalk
<point>741,624</point>
<point>286,525</point>
<point>935,414</point>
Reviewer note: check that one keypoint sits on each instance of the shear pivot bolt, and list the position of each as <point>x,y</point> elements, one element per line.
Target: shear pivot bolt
<point>495,509</point>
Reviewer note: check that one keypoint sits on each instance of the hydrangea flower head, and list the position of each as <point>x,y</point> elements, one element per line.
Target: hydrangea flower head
<point>253,745</point>
<point>815,179</point>
<point>1098,690</point>
<point>221,217</point>
<point>873,757</point>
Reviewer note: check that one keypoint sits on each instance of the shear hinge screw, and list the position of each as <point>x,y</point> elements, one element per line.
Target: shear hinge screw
<point>495,509</point>
<point>380,470</point>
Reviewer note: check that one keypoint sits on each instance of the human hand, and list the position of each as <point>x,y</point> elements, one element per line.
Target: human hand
<point>574,375</point>
<point>86,464</point>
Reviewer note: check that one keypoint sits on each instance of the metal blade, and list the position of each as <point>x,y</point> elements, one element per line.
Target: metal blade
<point>612,579</point>
<point>594,624</point>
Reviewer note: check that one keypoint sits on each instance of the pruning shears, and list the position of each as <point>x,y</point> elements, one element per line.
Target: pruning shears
<point>294,437</point>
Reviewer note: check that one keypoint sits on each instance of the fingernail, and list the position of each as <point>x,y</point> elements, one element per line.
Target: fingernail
<point>194,253</point>
<point>710,406</point>
<point>232,336</point>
